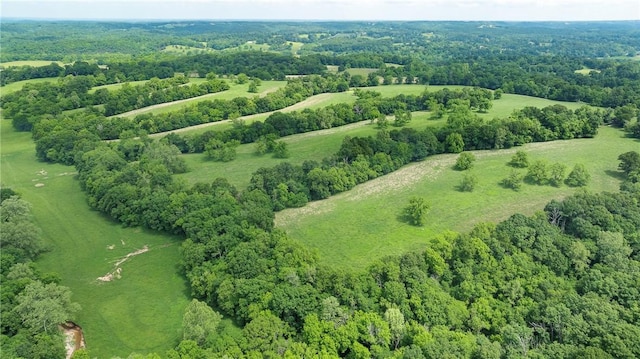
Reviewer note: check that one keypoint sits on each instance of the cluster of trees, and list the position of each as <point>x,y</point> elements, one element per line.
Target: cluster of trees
<point>360,159</point>
<point>48,100</point>
<point>153,92</point>
<point>59,138</point>
<point>557,284</point>
<point>32,304</point>
<point>610,84</point>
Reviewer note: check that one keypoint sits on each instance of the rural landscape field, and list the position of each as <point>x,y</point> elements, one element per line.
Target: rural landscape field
<point>317,189</point>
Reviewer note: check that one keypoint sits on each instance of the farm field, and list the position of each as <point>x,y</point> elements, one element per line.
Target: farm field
<point>32,63</point>
<point>141,311</point>
<point>16,86</point>
<point>236,90</point>
<point>320,144</point>
<point>353,228</point>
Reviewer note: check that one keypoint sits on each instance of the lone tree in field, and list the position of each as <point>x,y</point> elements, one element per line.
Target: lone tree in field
<point>416,211</point>
<point>465,161</point>
<point>520,160</point>
<point>514,181</point>
<point>578,177</point>
<point>468,183</point>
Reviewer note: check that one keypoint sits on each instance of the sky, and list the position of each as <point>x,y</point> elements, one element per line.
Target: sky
<point>484,10</point>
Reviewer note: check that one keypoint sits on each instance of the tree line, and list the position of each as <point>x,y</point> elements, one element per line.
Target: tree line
<point>535,285</point>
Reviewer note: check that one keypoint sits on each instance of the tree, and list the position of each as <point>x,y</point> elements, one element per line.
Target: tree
<point>416,211</point>
<point>465,161</point>
<point>556,175</point>
<point>454,143</point>
<point>280,150</point>
<point>578,177</point>
<point>623,115</point>
<point>42,307</point>
<point>538,172</point>
<point>394,317</point>
<point>242,79</point>
<point>199,322</point>
<point>468,183</point>
<point>220,151</point>
<point>520,159</point>
<point>514,181</point>
<point>401,118</point>
<point>629,162</point>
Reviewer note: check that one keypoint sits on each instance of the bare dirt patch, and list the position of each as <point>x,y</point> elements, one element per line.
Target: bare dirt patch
<point>73,338</point>
<point>116,273</point>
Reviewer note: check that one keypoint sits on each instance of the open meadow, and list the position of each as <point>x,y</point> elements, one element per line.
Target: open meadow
<point>141,308</point>
<point>352,229</point>
<point>320,144</point>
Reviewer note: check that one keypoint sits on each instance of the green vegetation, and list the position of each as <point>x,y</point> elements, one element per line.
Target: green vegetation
<point>141,311</point>
<point>171,244</point>
<point>371,206</point>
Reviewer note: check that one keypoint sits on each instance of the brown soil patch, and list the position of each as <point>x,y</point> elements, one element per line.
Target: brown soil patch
<point>116,273</point>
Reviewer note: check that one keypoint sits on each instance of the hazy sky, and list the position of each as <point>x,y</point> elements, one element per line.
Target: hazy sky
<point>528,10</point>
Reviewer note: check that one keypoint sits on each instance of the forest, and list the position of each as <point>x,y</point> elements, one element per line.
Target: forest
<point>561,280</point>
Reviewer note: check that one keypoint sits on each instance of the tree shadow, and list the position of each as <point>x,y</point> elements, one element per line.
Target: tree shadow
<point>616,174</point>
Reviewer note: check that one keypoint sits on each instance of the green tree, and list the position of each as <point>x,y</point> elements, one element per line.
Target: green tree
<point>401,118</point>
<point>578,177</point>
<point>629,162</point>
<point>416,211</point>
<point>454,143</point>
<point>513,181</point>
<point>556,174</point>
<point>520,159</point>
<point>200,322</point>
<point>465,161</point>
<point>42,307</point>
<point>394,317</point>
<point>242,79</point>
<point>280,150</point>
<point>468,183</point>
<point>538,172</point>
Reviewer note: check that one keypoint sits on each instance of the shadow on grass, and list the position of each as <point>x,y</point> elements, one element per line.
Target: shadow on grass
<point>616,174</point>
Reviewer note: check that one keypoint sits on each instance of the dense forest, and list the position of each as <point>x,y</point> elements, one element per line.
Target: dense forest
<point>561,283</point>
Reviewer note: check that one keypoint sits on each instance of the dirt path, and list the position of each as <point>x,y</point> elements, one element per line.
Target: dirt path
<point>313,100</point>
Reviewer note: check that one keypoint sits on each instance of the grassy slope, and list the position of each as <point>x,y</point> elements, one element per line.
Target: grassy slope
<point>322,144</point>
<point>140,312</point>
<point>235,91</point>
<point>32,63</point>
<point>353,228</point>
<point>16,86</point>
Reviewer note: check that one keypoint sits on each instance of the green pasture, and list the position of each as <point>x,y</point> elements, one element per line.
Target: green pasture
<point>352,229</point>
<point>113,87</point>
<point>321,144</point>
<point>305,146</point>
<point>140,312</point>
<point>236,90</point>
<point>17,86</point>
<point>32,63</point>
<point>361,71</point>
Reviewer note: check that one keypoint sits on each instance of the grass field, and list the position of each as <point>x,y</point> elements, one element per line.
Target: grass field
<point>17,86</point>
<point>361,71</point>
<point>352,229</point>
<point>235,91</point>
<point>32,63</point>
<point>142,311</point>
<point>321,144</point>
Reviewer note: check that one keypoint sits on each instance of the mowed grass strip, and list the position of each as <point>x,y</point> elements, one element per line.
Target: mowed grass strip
<point>140,312</point>
<point>352,229</point>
